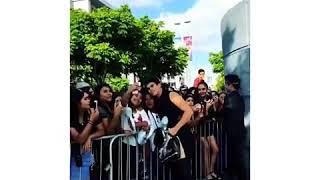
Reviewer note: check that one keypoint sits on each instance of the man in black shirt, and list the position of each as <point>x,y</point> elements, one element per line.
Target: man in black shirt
<point>172,105</point>
<point>234,127</point>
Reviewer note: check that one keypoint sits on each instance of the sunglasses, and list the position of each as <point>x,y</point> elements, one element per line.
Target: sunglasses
<point>189,100</point>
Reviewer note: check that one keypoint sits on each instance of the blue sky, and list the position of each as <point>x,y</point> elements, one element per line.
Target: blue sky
<point>205,17</point>
<point>200,59</point>
<point>170,6</point>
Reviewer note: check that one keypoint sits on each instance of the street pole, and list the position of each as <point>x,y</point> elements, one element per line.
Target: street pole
<point>180,29</point>
<point>182,43</point>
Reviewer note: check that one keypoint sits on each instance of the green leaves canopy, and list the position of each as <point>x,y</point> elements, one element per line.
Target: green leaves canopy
<point>114,42</point>
<point>216,60</point>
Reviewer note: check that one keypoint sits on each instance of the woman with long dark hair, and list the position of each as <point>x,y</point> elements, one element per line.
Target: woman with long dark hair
<point>134,119</point>
<point>222,95</point>
<point>110,110</point>
<point>196,117</point>
<point>210,147</point>
<point>83,127</point>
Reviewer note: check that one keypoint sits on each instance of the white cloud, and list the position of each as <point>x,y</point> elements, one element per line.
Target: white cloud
<point>138,3</point>
<point>205,17</point>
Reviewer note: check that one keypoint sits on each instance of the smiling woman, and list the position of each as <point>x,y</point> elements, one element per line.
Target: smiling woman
<point>109,111</point>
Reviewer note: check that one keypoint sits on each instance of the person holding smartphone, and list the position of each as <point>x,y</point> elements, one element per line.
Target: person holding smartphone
<point>208,141</point>
<point>196,117</point>
<point>109,115</point>
<point>134,119</point>
<point>179,113</point>
<point>82,129</point>
<point>110,111</point>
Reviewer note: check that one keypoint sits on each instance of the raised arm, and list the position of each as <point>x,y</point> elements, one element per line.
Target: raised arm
<point>111,124</point>
<point>83,136</point>
<point>177,100</point>
<point>125,97</point>
<point>100,132</point>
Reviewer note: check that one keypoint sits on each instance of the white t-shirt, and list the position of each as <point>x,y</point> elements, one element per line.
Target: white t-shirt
<point>128,119</point>
<point>154,124</point>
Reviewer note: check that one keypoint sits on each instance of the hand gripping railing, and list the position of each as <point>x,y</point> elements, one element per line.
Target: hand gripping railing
<point>147,165</point>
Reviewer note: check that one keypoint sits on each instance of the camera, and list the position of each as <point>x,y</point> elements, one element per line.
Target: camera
<point>208,96</point>
<point>93,103</point>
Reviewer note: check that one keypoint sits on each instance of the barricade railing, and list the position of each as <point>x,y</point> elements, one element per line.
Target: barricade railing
<point>210,127</point>
<point>119,160</point>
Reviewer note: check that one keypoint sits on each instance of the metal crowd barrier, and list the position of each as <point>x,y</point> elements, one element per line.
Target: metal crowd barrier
<point>205,129</point>
<point>120,161</point>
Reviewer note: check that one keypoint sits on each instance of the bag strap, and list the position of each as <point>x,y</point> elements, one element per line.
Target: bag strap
<point>155,120</point>
<point>129,120</point>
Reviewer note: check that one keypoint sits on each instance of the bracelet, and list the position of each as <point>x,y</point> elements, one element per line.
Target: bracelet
<point>89,122</point>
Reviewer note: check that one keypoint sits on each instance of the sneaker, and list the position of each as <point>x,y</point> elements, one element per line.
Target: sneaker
<point>216,177</point>
<point>209,177</point>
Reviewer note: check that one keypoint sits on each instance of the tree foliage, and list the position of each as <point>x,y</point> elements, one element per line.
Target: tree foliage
<point>118,84</point>
<point>113,42</point>
<point>219,86</point>
<point>216,60</point>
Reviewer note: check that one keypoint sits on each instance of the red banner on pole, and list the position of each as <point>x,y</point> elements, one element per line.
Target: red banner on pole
<point>188,43</point>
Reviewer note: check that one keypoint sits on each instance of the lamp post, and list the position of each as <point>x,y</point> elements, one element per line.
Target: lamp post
<point>186,73</point>
<point>180,31</point>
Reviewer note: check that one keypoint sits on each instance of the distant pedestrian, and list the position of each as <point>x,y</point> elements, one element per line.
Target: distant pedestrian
<point>200,78</point>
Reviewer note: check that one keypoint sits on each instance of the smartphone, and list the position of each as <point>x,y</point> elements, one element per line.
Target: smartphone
<point>198,107</point>
<point>139,86</point>
<point>96,104</point>
<point>208,97</point>
<point>117,102</point>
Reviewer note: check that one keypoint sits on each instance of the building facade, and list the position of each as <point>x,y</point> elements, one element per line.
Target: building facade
<point>235,32</point>
<point>89,5</point>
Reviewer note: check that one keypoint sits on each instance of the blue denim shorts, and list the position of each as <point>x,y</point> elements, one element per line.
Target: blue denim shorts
<point>81,173</point>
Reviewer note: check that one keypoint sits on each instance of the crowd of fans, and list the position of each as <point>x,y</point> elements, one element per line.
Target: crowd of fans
<point>191,112</point>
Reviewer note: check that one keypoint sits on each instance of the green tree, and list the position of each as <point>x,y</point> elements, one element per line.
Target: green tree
<point>216,60</point>
<point>113,42</point>
<point>157,55</point>
<point>118,84</point>
<point>219,86</point>
<point>104,40</point>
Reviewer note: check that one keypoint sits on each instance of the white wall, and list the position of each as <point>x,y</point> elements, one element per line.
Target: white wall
<point>81,4</point>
